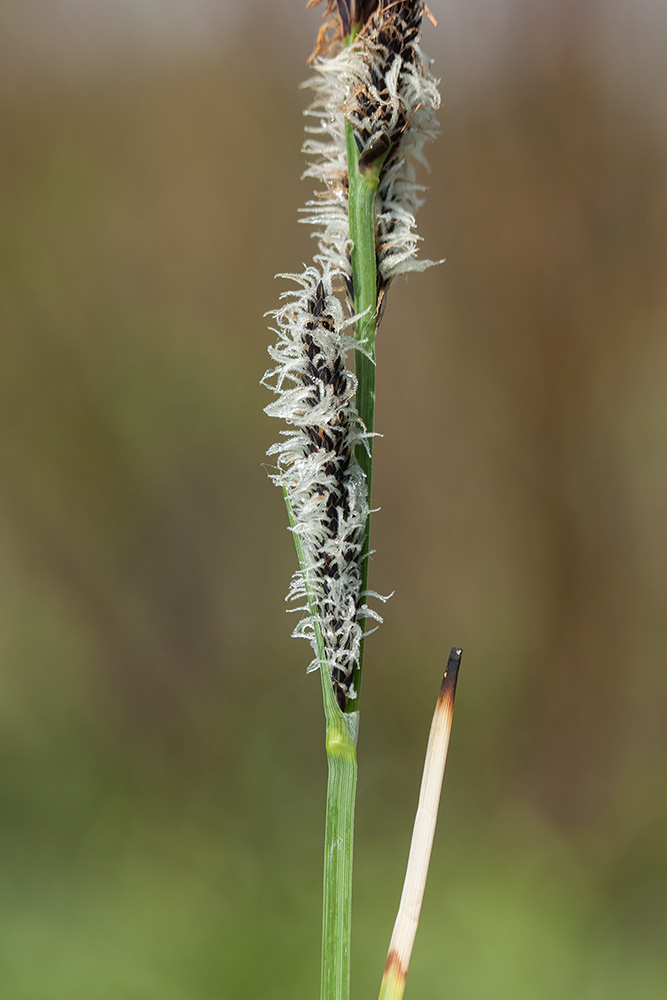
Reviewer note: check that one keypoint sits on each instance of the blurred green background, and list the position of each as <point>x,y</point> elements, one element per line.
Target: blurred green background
<point>162,773</point>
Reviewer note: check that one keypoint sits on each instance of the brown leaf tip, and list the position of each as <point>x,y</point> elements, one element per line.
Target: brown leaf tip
<point>448,686</point>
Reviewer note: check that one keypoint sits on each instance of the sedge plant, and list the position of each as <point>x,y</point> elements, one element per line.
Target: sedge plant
<point>373,110</point>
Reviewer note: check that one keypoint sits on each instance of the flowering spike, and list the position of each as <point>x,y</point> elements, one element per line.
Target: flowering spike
<point>383,86</point>
<point>323,482</point>
<point>374,107</point>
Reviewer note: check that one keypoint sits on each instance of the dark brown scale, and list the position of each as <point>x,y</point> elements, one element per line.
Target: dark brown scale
<point>382,286</point>
<point>329,570</point>
<point>320,302</point>
<point>341,697</point>
<point>313,435</point>
<point>332,519</point>
<point>339,383</point>
<point>312,349</point>
<point>374,151</point>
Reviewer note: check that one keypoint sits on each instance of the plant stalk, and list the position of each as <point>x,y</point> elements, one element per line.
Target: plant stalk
<point>341,738</point>
<point>338,847</point>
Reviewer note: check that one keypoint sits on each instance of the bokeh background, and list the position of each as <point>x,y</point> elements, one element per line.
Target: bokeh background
<point>162,770</point>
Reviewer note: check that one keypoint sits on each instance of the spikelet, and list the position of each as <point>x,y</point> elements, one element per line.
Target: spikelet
<point>382,84</point>
<point>323,482</point>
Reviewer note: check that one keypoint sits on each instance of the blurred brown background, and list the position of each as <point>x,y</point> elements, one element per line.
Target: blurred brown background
<point>162,773</point>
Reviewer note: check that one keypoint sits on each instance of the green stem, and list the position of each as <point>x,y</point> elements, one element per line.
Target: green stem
<point>341,738</point>
<point>362,188</point>
<point>338,847</point>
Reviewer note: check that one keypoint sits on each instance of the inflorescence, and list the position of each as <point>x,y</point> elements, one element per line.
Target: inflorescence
<point>323,482</point>
<point>370,72</point>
